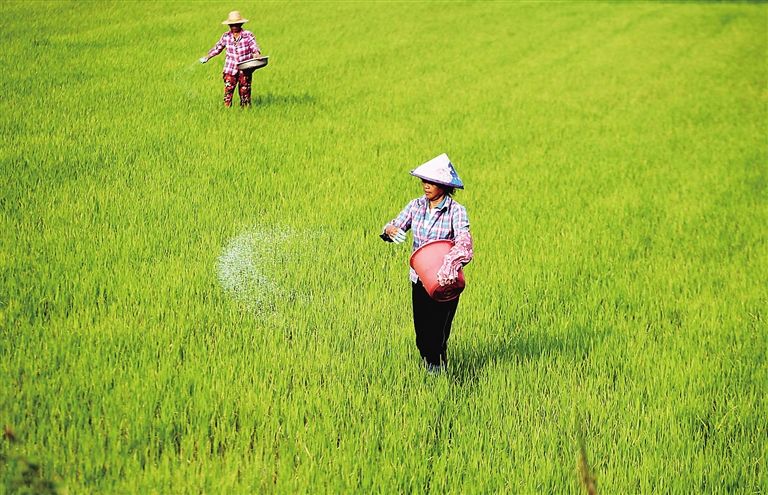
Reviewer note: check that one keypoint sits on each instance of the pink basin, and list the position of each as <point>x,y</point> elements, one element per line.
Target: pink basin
<point>426,261</point>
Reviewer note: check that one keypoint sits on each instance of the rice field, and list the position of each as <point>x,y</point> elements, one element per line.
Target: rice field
<point>195,299</point>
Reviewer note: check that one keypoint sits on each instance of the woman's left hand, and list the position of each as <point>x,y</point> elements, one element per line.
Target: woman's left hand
<point>444,275</point>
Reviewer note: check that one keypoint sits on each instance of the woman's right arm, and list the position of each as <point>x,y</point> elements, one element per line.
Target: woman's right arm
<point>218,47</point>
<point>401,222</point>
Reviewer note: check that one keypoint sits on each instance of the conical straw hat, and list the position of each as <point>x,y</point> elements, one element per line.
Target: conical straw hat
<point>439,170</point>
<point>235,18</point>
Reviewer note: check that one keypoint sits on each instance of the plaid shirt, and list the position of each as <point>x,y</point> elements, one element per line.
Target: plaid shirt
<point>448,221</point>
<point>238,51</point>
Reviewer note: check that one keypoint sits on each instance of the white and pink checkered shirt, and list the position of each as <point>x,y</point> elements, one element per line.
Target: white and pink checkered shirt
<point>245,48</point>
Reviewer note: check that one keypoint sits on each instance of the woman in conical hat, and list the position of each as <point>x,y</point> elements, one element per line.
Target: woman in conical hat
<point>435,215</point>
<point>241,46</point>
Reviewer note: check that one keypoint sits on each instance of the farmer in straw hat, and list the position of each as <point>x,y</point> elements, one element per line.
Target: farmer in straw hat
<point>436,215</point>
<point>241,46</point>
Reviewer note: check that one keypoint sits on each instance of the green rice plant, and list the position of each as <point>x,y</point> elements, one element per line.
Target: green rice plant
<point>195,299</point>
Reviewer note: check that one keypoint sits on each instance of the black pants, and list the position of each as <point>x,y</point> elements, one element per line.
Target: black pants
<point>432,321</point>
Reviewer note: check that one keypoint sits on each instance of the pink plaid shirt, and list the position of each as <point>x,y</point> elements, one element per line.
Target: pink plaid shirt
<point>238,51</point>
<point>448,221</point>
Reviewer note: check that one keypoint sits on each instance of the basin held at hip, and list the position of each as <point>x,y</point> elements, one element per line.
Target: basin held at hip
<point>426,261</point>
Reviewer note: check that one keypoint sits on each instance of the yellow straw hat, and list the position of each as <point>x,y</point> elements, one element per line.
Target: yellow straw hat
<point>235,18</point>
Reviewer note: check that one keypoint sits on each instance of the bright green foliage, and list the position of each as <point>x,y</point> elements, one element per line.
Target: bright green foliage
<point>616,165</point>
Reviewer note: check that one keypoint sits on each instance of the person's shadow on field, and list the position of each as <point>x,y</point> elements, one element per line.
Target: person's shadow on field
<point>269,99</point>
<point>468,360</point>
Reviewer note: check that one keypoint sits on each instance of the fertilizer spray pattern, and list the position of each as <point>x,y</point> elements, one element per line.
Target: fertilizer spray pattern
<point>244,264</point>
<point>252,267</point>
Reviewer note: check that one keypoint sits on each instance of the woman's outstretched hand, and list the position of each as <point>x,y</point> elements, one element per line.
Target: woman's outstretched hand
<point>203,60</point>
<point>397,235</point>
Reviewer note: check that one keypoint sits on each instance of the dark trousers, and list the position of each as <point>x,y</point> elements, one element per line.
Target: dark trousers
<point>243,81</point>
<point>432,321</point>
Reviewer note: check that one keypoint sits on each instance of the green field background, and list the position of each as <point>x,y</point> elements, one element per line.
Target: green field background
<point>616,165</point>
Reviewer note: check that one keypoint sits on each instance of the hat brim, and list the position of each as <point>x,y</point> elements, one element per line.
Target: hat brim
<point>229,23</point>
<point>440,183</point>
